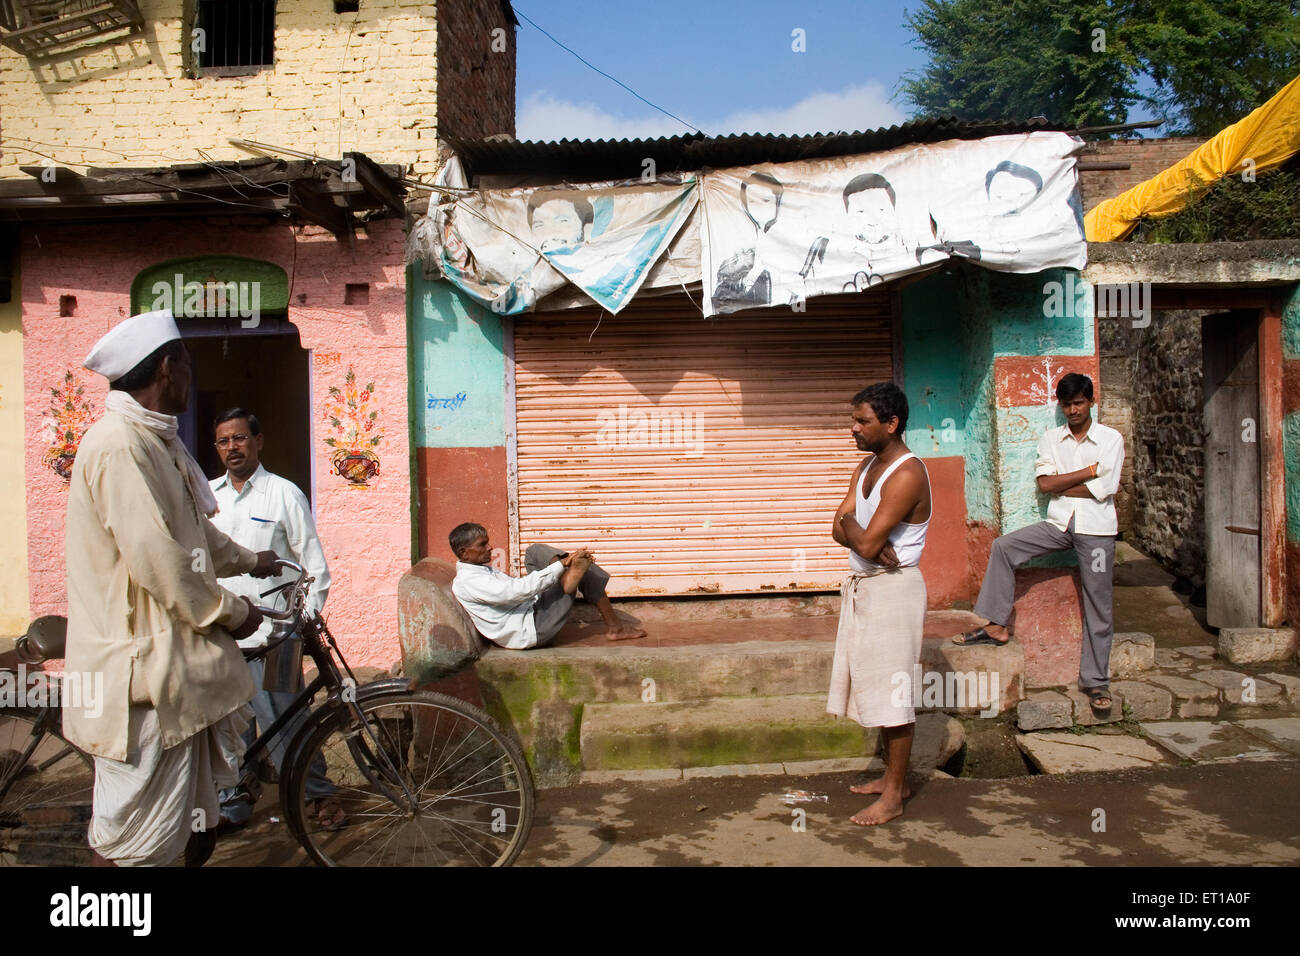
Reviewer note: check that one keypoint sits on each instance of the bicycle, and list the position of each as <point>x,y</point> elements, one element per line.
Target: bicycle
<point>422,778</point>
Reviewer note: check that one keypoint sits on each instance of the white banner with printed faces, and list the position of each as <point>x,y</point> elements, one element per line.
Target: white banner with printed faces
<point>508,248</point>
<point>778,234</point>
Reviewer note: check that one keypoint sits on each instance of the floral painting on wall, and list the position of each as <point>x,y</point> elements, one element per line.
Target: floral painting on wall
<point>70,414</point>
<point>348,408</point>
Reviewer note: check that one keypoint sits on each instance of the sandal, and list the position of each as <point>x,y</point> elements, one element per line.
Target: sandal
<point>327,813</point>
<point>1098,694</point>
<point>979,636</point>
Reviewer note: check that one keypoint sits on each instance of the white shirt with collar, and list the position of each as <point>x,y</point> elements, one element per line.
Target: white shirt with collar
<point>270,513</point>
<point>1059,453</point>
<point>502,605</point>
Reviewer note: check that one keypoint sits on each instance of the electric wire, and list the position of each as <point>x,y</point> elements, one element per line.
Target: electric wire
<point>587,63</point>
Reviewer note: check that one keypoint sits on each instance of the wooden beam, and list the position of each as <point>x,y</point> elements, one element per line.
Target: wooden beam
<point>387,193</point>
<point>308,202</point>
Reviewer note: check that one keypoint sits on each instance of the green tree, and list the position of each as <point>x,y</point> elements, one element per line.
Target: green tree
<point>1213,61</point>
<point>1022,58</point>
<point>1199,64</point>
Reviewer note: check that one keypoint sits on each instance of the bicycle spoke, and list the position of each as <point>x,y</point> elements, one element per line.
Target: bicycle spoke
<point>422,779</point>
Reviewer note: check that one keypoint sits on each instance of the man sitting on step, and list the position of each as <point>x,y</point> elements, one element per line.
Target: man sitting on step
<point>519,613</point>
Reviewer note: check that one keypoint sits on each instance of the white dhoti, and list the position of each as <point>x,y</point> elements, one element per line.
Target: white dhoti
<point>882,621</point>
<point>147,807</point>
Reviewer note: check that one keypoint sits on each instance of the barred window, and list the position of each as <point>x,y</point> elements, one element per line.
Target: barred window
<point>235,34</point>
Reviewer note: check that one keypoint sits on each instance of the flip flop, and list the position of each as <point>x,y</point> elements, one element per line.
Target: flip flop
<point>1100,693</point>
<point>979,636</point>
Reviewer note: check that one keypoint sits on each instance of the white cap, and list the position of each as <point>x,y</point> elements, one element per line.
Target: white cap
<point>131,342</point>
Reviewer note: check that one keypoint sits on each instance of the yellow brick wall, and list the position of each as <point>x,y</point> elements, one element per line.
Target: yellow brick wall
<point>13,493</point>
<point>356,81</point>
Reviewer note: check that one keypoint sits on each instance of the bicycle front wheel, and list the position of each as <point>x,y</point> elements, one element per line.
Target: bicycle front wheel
<point>424,780</point>
<point>46,790</point>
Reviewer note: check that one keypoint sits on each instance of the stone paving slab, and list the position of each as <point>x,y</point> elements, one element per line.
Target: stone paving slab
<point>1145,701</point>
<point>1200,652</point>
<point>1044,710</point>
<point>1290,686</point>
<point>1280,732</point>
<point>1207,741</point>
<point>1131,654</point>
<point>1192,698</point>
<point>1251,645</point>
<point>1234,686</point>
<point>1063,752</point>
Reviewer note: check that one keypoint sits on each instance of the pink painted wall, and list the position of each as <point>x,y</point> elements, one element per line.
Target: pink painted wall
<point>366,532</point>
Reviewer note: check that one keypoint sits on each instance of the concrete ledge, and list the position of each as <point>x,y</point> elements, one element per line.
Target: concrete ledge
<point>1262,262</point>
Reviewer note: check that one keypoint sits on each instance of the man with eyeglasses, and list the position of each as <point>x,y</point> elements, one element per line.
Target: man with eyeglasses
<point>258,508</point>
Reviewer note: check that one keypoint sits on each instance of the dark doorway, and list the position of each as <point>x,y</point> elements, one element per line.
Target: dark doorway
<point>265,370</point>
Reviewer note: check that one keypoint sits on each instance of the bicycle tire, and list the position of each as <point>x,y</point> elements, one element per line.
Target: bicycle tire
<point>475,798</point>
<point>46,791</point>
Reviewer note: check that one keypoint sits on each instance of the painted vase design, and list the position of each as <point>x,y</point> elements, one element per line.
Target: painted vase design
<point>357,467</point>
<point>356,430</point>
<point>69,416</point>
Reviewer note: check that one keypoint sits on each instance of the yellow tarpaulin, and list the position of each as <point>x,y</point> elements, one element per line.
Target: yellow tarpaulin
<point>1265,139</point>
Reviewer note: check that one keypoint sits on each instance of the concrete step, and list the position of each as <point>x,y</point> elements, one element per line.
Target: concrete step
<point>969,676</point>
<point>550,696</point>
<point>706,733</point>
<point>757,731</point>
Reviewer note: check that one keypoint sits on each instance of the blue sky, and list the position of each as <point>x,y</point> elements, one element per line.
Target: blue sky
<point>726,66</point>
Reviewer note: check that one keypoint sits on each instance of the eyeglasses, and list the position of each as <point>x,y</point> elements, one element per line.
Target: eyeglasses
<point>231,440</point>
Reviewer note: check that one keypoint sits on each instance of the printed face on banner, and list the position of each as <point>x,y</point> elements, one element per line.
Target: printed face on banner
<point>510,248</point>
<point>558,222</point>
<point>782,233</point>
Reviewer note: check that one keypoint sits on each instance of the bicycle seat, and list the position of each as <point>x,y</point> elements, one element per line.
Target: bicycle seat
<point>46,636</point>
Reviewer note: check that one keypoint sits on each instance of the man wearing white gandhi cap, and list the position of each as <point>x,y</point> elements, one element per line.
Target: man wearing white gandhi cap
<point>145,610</point>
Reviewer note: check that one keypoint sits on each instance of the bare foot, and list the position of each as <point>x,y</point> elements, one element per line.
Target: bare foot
<point>624,634</point>
<point>878,786</point>
<point>881,811</point>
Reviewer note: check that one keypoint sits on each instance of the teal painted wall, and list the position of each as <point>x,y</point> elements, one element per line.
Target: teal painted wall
<point>1291,326</point>
<point>1027,320</point>
<point>1291,454</point>
<point>1291,421</point>
<point>932,368</point>
<point>458,350</point>
<point>948,377</point>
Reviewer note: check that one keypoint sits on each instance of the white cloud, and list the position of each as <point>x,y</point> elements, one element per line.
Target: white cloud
<point>546,117</point>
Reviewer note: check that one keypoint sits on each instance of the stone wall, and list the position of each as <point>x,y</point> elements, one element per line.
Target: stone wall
<point>1153,396</point>
<point>476,68</point>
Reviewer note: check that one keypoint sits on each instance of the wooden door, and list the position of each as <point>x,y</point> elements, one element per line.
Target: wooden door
<point>1229,344</point>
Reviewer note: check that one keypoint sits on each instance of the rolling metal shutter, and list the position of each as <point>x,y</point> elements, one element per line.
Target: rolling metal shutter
<point>693,455</point>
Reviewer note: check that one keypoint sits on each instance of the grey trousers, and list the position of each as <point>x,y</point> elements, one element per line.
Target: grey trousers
<point>1096,563</point>
<point>553,605</point>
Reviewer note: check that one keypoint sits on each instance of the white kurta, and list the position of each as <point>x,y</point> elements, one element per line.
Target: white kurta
<point>146,612</point>
<point>501,605</point>
<point>270,513</point>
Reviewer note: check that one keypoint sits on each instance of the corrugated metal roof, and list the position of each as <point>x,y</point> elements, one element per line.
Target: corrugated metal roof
<point>623,158</point>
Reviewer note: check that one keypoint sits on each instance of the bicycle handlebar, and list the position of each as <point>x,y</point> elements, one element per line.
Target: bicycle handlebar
<point>288,613</point>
